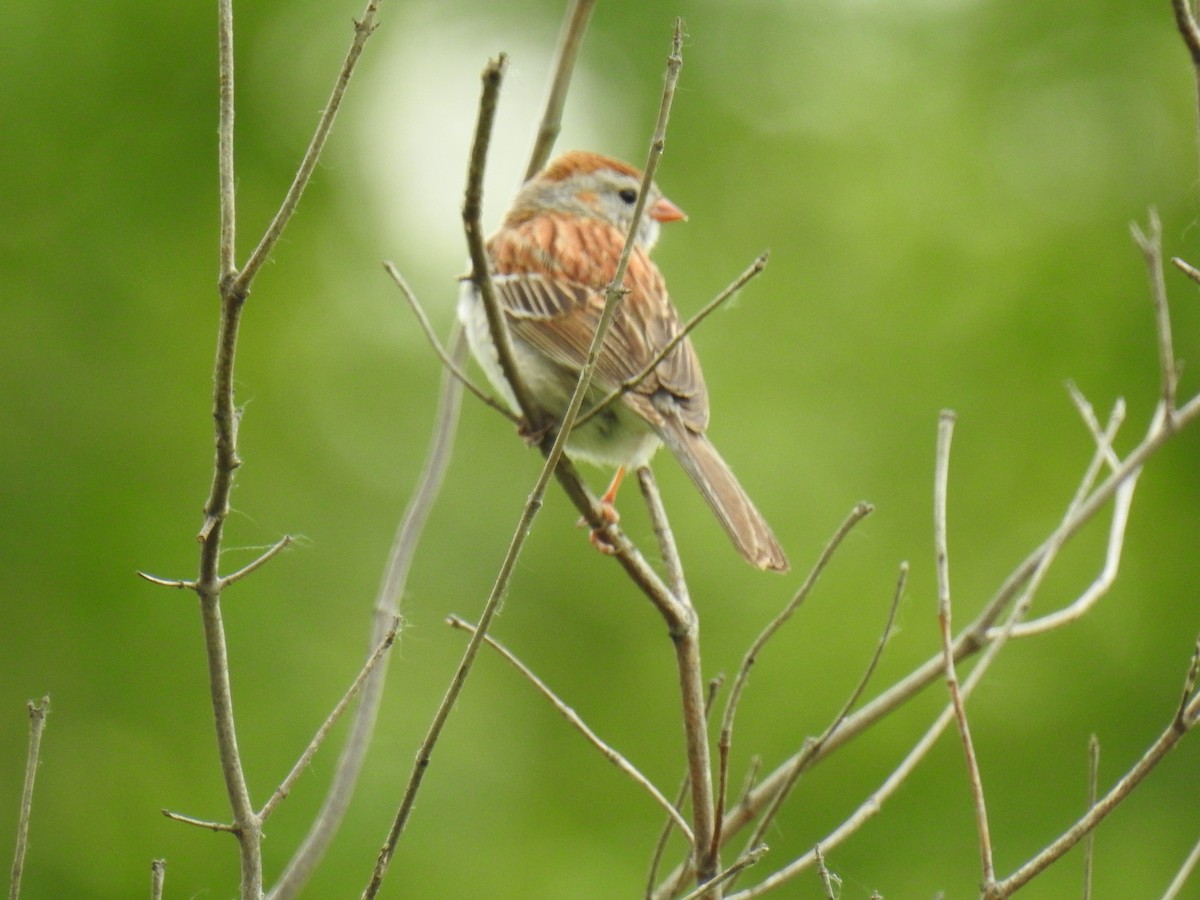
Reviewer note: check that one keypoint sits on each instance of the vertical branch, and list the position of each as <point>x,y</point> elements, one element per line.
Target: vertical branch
<point>37,722</point>
<point>1150,243</point>
<point>569,41</point>
<point>941,480</point>
<point>1185,20</point>
<point>158,875</point>
<point>1090,841</point>
<point>481,267</point>
<point>363,28</point>
<point>234,289</point>
<point>225,137</point>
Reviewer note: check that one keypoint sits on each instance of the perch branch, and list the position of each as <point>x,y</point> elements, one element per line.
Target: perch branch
<point>481,276</point>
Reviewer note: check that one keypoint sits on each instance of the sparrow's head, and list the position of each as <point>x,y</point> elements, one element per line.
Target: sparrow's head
<point>596,187</point>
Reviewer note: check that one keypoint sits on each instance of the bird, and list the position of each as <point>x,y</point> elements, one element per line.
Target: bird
<point>552,257</point>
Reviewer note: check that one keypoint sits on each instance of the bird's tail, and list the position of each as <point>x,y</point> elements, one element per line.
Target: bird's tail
<point>744,524</point>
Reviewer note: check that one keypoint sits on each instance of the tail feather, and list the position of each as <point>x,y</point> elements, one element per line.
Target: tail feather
<point>744,524</point>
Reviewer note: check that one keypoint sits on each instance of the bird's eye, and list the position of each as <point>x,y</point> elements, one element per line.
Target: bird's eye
<point>629,195</point>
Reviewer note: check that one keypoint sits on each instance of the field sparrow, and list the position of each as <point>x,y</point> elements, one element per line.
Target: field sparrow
<point>552,257</point>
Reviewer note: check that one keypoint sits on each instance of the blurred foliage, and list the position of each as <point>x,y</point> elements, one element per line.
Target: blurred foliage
<point>945,189</point>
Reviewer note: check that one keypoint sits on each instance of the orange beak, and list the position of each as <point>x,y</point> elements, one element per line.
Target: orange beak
<point>666,211</point>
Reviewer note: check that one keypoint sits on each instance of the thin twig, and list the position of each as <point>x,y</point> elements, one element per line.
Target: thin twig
<point>666,537</point>
<point>813,747</point>
<point>37,723</point>
<point>1186,268</point>
<point>1090,841</point>
<point>570,39</point>
<point>1150,243</point>
<point>827,878</point>
<point>225,172</point>
<point>158,875</point>
<point>1185,20</point>
<point>629,384</point>
<point>363,28</point>
<point>198,823</point>
<point>452,367</point>
<point>1170,736</point>
<point>1188,29</point>
<point>1177,884</point>
<point>335,714</point>
<point>725,744</point>
<point>275,549</point>
<point>387,608</point>
<point>942,551</point>
<point>1189,687</point>
<point>606,750</point>
<point>168,582</point>
<point>481,267</point>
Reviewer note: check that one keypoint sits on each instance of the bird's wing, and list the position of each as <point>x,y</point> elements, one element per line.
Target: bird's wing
<point>554,297</point>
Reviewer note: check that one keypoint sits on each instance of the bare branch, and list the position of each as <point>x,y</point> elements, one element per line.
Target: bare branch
<point>1181,877</point>
<point>1174,731</point>
<point>940,491</point>
<point>37,724</point>
<point>167,582</point>
<point>725,744</point>
<point>569,41</point>
<point>310,751</point>
<point>1090,840</point>
<point>827,879</point>
<point>666,538</point>
<point>453,368</point>
<point>199,823</point>
<point>660,845</point>
<point>277,548</point>
<point>158,875</point>
<point>1150,243</point>
<point>606,750</point>
<point>481,267</point>
<point>363,28</point>
<point>228,200</point>
<point>1187,269</point>
<point>1188,29</point>
<point>812,749</point>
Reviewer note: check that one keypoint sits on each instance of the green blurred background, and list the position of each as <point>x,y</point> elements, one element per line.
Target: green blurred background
<point>945,188</point>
